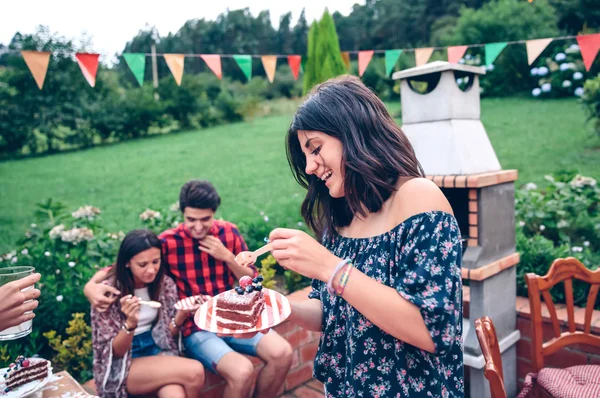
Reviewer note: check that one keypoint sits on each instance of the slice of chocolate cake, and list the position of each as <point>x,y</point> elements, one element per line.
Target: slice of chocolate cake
<point>241,307</point>
<point>25,370</point>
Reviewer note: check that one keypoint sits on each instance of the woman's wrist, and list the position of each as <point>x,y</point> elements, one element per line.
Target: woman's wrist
<point>329,267</point>
<point>130,324</point>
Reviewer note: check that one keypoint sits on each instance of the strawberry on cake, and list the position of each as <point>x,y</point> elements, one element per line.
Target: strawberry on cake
<point>241,308</point>
<point>25,370</point>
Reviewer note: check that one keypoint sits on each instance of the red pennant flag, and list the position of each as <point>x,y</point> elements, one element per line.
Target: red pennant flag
<point>214,63</point>
<point>455,53</point>
<point>364,57</point>
<point>88,63</point>
<point>294,61</point>
<point>589,45</point>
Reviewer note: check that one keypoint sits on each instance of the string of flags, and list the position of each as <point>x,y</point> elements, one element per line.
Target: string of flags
<point>37,61</point>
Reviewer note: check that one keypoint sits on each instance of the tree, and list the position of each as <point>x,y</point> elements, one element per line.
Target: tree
<point>324,59</point>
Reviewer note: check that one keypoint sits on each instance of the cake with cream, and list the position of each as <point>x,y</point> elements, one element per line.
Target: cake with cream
<point>241,308</point>
<point>25,370</point>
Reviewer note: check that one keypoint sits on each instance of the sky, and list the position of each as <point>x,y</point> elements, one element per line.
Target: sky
<point>110,24</point>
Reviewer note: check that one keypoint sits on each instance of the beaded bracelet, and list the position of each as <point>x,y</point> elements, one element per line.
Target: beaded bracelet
<point>338,267</point>
<point>344,280</point>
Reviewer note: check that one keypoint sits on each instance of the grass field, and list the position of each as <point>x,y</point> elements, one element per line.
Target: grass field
<point>246,162</point>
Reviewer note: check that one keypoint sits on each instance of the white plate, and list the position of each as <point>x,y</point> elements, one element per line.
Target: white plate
<point>25,389</point>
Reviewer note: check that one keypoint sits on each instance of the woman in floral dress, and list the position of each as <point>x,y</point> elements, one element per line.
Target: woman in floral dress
<point>134,347</point>
<point>386,275</point>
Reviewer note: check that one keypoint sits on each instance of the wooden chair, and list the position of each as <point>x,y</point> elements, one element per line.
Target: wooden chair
<point>486,334</point>
<point>581,381</point>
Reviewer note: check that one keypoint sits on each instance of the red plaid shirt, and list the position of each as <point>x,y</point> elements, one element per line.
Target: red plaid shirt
<point>196,272</point>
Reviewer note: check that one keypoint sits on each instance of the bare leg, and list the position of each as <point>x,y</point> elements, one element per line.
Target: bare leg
<point>172,391</point>
<point>237,371</point>
<point>149,375</point>
<point>277,353</point>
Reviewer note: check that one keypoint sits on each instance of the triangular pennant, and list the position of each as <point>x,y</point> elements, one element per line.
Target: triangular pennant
<point>245,64</point>
<point>270,64</point>
<point>535,48</point>
<point>589,45</point>
<point>492,50</point>
<point>391,57</point>
<point>175,62</point>
<point>37,62</point>
<point>364,57</point>
<point>88,63</point>
<point>346,59</point>
<point>455,53</point>
<point>303,63</point>
<point>214,63</point>
<point>294,62</point>
<point>137,64</point>
<point>422,55</point>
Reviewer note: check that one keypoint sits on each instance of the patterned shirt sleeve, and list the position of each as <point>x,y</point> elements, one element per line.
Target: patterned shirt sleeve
<point>429,276</point>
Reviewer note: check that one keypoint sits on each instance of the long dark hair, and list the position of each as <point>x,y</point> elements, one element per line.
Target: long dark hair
<point>134,243</point>
<point>375,152</point>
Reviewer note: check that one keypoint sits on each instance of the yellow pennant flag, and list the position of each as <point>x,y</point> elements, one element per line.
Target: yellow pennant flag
<point>175,63</point>
<point>422,55</point>
<point>535,48</point>
<point>346,59</point>
<point>270,64</point>
<point>37,62</point>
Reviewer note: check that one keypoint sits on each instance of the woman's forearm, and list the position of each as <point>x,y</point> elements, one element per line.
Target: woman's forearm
<point>307,314</point>
<point>122,343</point>
<point>385,308</point>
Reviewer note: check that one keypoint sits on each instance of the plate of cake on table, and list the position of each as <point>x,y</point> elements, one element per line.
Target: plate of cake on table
<point>24,377</point>
<point>245,309</point>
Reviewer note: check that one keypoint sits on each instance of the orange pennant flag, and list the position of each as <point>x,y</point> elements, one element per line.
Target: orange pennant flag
<point>37,62</point>
<point>294,62</point>
<point>455,53</point>
<point>346,59</point>
<point>589,45</point>
<point>214,63</point>
<point>88,63</point>
<point>422,55</point>
<point>175,62</point>
<point>270,64</point>
<point>535,48</point>
<point>364,57</point>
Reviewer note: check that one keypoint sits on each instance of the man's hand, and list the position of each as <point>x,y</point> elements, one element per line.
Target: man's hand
<point>14,303</point>
<point>101,296</point>
<point>215,248</point>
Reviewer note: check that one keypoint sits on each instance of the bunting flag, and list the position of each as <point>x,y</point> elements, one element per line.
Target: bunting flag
<point>535,48</point>
<point>346,59</point>
<point>270,64</point>
<point>294,62</point>
<point>391,57</point>
<point>245,64</point>
<point>422,55</point>
<point>137,65</point>
<point>303,63</point>
<point>88,63</point>
<point>37,62</point>
<point>364,57</point>
<point>492,51</point>
<point>214,63</point>
<point>175,62</point>
<point>455,53</point>
<point>589,45</point>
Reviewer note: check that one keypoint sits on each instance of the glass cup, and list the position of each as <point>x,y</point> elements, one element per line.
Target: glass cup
<point>10,274</point>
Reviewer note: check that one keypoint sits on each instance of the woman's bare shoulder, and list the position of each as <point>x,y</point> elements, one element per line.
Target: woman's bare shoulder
<point>419,195</point>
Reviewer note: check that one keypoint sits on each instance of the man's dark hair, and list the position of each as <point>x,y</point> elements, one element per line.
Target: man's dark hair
<point>199,195</point>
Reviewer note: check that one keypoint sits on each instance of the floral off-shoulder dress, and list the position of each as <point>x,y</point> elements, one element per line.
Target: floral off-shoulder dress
<point>421,259</point>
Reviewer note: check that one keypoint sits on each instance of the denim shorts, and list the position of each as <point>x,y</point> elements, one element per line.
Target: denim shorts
<point>143,345</point>
<point>209,348</point>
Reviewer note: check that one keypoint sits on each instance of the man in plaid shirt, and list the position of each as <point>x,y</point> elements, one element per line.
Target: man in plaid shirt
<point>200,253</point>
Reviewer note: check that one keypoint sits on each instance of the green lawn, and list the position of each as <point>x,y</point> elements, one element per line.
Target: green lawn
<point>247,164</point>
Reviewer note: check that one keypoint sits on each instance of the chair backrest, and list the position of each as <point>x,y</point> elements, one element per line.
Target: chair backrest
<point>561,270</point>
<point>486,334</point>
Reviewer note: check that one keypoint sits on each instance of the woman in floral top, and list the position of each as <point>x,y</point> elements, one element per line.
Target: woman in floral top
<point>387,275</point>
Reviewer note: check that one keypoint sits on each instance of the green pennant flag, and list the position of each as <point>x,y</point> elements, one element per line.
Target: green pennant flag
<point>303,63</point>
<point>245,64</point>
<point>137,64</point>
<point>391,57</point>
<point>492,51</point>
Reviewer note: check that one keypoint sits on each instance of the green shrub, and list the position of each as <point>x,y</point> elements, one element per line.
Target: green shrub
<point>591,101</point>
<point>560,74</point>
